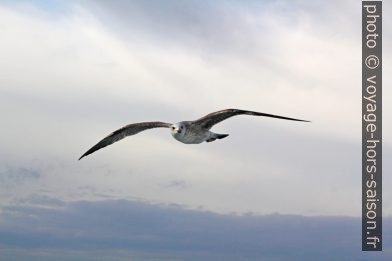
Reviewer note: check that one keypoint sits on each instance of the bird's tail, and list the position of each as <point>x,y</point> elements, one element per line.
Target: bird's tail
<point>217,136</point>
<point>221,136</point>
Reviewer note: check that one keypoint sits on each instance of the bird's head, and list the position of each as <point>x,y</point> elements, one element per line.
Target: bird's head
<point>177,129</point>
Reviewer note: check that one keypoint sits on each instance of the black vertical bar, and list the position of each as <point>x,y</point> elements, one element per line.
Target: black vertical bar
<point>371,126</point>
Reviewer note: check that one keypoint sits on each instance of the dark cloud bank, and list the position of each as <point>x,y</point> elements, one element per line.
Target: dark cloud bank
<point>50,229</point>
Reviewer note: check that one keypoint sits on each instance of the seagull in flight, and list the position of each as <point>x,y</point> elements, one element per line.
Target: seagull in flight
<point>188,132</point>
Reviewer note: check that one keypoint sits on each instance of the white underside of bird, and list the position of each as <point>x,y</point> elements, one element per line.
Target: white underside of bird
<point>185,133</point>
<point>188,132</point>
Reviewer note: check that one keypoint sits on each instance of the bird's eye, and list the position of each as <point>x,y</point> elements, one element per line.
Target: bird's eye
<point>173,128</point>
<point>182,127</point>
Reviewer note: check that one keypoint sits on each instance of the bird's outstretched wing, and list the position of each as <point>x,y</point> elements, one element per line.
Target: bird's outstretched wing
<point>125,131</point>
<point>213,118</point>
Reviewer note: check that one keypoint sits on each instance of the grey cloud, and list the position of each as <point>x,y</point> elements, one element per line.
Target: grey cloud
<point>220,25</point>
<point>208,26</point>
<point>12,176</point>
<point>177,184</point>
<point>130,229</point>
<point>169,18</point>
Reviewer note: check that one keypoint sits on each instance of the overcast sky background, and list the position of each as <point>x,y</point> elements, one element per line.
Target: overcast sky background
<point>71,72</point>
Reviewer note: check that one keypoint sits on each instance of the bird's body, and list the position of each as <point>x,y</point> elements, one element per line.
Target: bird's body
<point>188,132</point>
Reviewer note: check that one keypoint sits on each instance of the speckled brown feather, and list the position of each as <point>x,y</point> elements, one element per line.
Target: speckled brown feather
<point>211,119</point>
<point>125,131</point>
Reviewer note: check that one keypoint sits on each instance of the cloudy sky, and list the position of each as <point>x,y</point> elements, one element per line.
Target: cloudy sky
<point>71,72</point>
